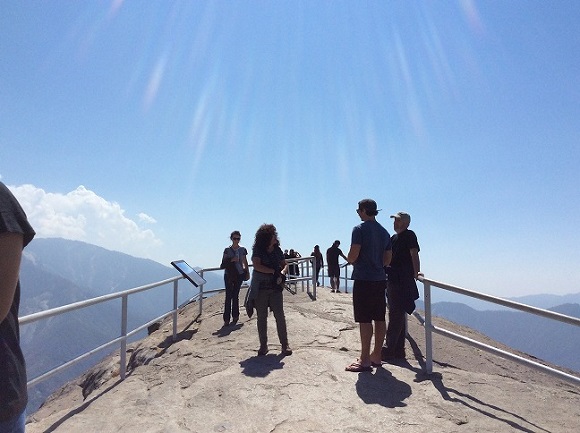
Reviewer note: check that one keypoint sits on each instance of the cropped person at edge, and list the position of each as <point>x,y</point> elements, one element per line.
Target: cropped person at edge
<point>15,234</point>
<point>269,265</point>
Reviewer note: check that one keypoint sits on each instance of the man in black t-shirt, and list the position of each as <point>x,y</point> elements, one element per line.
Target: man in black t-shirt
<point>332,255</point>
<point>15,234</point>
<point>401,289</point>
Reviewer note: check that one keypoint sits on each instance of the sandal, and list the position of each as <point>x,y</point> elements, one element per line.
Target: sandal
<point>357,367</point>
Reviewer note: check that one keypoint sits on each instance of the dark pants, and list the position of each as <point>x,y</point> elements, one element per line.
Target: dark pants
<point>232,304</point>
<point>395,340</point>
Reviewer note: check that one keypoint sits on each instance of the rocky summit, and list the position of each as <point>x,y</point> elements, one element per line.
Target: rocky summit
<point>211,380</point>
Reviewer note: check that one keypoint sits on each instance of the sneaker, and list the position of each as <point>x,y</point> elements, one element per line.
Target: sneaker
<point>286,351</point>
<point>262,351</point>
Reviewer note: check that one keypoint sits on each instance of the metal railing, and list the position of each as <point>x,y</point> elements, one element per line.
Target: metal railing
<point>307,277</point>
<point>430,328</point>
<point>125,334</point>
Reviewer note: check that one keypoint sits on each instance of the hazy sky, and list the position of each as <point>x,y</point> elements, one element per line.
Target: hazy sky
<point>157,127</point>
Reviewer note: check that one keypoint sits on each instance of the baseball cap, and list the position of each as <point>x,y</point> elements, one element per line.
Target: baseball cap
<point>403,216</point>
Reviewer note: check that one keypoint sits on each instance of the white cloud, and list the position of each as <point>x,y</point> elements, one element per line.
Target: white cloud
<point>84,216</point>
<point>146,218</point>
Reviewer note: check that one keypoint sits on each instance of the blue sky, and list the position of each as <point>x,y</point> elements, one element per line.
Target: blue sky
<point>156,128</point>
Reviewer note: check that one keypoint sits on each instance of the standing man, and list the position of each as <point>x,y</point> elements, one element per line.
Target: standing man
<point>15,234</point>
<point>370,252</point>
<point>332,255</point>
<point>402,289</point>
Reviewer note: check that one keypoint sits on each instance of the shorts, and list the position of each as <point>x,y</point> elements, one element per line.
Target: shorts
<point>369,301</point>
<point>334,271</point>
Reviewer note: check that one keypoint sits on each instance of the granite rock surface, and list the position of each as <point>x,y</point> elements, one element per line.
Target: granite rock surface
<point>211,380</point>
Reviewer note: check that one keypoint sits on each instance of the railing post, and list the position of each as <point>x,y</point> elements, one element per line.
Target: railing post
<point>175,284</point>
<point>201,295</point>
<point>428,327</point>
<point>123,354</point>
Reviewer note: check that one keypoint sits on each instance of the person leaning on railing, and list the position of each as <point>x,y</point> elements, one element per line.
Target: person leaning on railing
<point>15,234</point>
<point>402,290</point>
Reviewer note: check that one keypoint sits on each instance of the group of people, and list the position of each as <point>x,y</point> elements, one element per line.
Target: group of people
<point>385,268</point>
<point>293,267</point>
<point>380,262</point>
<point>269,273</point>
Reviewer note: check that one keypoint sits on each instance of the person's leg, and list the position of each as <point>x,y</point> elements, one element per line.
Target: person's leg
<point>228,301</point>
<point>236,300</point>
<point>14,425</point>
<point>380,332</point>
<point>277,304</point>
<point>261,306</point>
<point>396,329</point>
<point>318,276</point>
<point>366,335</point>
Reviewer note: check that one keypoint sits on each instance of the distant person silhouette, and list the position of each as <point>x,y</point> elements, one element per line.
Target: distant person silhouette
<point>332,255</point>
<point>235,263</point>
<point>370,252</point>
<point>270,269</point>
<point>293,268</point>
<point>15,234</point>
<point>318,262</point>
<point>402,289</point>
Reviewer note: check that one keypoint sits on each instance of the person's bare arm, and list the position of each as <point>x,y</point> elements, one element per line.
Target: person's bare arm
<point>258,266</point>
<point>416,262</point>
<point>353,253</point>
<point>10,256</point>
<point>387,257</point>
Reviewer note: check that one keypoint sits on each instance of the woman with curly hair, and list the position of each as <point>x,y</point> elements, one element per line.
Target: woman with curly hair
<point>270,269</point>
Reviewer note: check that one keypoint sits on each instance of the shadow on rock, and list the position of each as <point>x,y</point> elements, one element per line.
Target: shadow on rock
<point>261,366</point>
<point>226,330</point>
<point>381,387</point>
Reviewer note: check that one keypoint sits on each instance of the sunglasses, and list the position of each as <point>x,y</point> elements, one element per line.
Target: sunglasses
<point>236,239</point>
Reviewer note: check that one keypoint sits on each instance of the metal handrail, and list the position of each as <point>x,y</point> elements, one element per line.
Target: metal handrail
<point>430,328</point>
<point>125,333</point>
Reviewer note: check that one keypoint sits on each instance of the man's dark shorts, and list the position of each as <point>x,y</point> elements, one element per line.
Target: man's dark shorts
<point>368,300</point>
<point>334,271</point>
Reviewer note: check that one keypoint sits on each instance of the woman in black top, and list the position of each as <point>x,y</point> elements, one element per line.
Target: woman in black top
<point>270,269</point>
<point>236,265</point>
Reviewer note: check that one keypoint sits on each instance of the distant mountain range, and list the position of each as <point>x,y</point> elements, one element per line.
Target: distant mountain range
<point>56,272</point>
